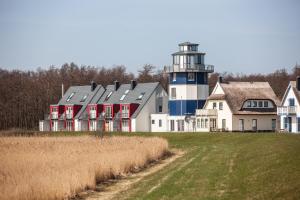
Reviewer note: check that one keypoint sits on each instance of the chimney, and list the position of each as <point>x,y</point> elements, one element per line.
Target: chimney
<point>117,85</point>
<point>62,90</point>
<point>93,86</point>
<point>220,79</point>
<point>298,83</point>
<point>133,83</point>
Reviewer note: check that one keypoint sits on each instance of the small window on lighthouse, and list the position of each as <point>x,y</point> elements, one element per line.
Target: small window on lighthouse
<point>174,77</point>
<point>191,76</point>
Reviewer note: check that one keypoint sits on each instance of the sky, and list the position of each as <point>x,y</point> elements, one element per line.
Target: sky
<point>238,36</point>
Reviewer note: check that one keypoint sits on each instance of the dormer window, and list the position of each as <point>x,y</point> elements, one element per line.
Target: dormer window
<point>141,96</point>
<point>258,104</point>
<point>107,97</point>
<point>70,97</point>
<point>84,98</point>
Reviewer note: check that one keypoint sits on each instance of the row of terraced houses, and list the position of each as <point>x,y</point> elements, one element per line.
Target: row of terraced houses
<point>185,107</point>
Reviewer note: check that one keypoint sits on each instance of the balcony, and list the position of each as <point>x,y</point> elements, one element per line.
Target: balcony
<point>54,115</point>
<point>125,115</point>
<point>69,115</point>
<point>189,68</point>
<point>206,112</point>
<point>93,114</point>
<point>287,110</point>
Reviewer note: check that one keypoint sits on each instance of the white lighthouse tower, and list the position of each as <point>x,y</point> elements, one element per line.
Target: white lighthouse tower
<point>188,86</point>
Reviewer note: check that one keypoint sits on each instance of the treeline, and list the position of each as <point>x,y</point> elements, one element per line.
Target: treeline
<point>25,96</point>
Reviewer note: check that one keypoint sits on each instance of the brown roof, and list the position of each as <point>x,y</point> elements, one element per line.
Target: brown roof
<point>236,93</point>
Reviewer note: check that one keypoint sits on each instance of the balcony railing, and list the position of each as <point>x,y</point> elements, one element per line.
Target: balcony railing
<point>54,115</point>
<point>287,110</point>
<point>189,68</point>
<point>93,115</point>
<point>69,115</point>
<point>125,115</point>
<point>206,112</point>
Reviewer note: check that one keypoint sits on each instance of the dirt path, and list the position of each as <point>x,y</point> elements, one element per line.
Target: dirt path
<point>111,188</point>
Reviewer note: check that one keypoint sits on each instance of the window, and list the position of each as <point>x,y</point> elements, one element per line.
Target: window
<point>107,97</point>
<point>160,108</point>
<point>205,78</point>
<point>254,104</point>
<point>174,77</point>
<point>84,98</point>
<point>274,124</point>
<point>291,102</point>
<point>260,104</point>
<point>298,124</point>
<point>206,123</point>
<point>70,97</point>
<point>223,124</point>
<point>108,111</point>
<point>122,97</point>
<point>202,123</point>
<point>191,76</point>
<point>248,104</point>
<point>266,104</point>
<point>172,125</point>
<point>241,124</point>
<point>160,123</point>
<point>220,105</point>
<point>125,111</point>
<point>54,109</point>
<point>141,96</point>
<point>254,124</point>
<point>198,123</point>
<point>153,121</point>
<point>173,93</point>
<point>214,105</point>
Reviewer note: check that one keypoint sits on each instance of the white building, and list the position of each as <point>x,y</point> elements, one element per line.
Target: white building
<point>289,110</point>
<point>118,107</point>
<point>239,106</point>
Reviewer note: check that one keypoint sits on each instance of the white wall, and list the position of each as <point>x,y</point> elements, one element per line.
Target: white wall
<point>44,125</point>
<point>264,122</point>
<point>142,121</point>
<point>222,114</point>
<point>290,94</point>
<point>164,119</point>
<point>190,92</point>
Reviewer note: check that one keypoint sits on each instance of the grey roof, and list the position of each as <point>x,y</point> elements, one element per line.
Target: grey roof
<point>131,96</point>
<point>187,43</point>
<point>188,53</point>
<point>79,93</point>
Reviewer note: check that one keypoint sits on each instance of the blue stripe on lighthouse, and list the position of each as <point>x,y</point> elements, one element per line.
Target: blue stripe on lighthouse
<point>184,107</point>
<point>182,78</point>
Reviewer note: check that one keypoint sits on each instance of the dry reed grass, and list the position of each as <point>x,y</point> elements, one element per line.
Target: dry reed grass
<point>60,167</point>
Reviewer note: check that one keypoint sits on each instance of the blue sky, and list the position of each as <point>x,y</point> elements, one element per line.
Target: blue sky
<point>250,36</point>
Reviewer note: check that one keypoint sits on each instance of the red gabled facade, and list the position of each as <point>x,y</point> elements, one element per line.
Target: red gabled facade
<point>55,113</point>
<point>71,118</point>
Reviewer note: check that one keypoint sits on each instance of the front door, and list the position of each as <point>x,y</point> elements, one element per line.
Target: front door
<point>254,124</point>
<point>93,125</point>
<point>241,124</point>
<point>54,125</point>
<point>290,124</point>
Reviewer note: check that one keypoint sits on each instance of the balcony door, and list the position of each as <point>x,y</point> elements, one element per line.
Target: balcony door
<point>241,125</point>
<point>93,125</point>
<point>254,124</point>
<point>54,125</point>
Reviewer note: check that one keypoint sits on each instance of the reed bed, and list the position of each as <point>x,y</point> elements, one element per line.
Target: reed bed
<point>60,167</point>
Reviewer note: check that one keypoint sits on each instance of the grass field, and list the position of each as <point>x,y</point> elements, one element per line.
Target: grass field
<point>59,167</point>
<point>233,166</point>
<point>226,166</point>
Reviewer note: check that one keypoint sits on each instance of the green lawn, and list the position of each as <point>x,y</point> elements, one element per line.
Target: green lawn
<point>226,166</point>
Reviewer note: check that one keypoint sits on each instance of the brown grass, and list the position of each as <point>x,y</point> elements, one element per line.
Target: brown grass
<point>60,167</point>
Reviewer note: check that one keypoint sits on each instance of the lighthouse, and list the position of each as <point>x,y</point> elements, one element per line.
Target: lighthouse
<point>188,84</point>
